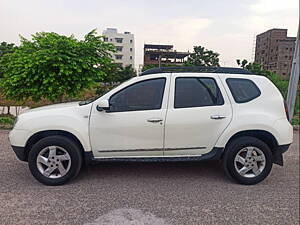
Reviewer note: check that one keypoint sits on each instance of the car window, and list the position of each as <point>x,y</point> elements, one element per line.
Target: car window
<point>144,95</point>
<point>243,90</point>
<point>197,92</point>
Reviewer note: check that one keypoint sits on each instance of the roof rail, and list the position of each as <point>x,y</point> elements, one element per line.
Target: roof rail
<point>196,69</point>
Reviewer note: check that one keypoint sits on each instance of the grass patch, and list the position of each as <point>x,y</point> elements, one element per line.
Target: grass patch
<point>296,121</point>
<point>6,121</point>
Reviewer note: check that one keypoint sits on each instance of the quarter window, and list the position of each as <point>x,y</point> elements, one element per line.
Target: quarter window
<point>196,92</point>
<point>242,90</point>
<point>144,95</point>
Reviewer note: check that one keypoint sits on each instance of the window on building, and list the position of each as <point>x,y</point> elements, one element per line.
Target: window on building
<point>131,41</point>
<point>144,95</point>
<point>119,40</point>
<point>119,48</point>
<point>130,57</point>
<point>119,56</point>
<point>243,90</point>
<point>131,49</point>
<point>196,92</point>
<point>105,39</point>
<point>119,64</point>
<point>111,39</point>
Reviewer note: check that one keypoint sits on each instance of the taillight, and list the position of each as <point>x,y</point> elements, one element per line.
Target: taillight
<point>286,110</point>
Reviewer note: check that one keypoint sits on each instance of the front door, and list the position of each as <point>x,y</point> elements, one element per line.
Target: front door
<point>198,114</point>
<point>134,124</point>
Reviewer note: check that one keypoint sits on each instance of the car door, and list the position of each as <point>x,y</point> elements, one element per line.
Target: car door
<point>199,111</point>
<point>134,124</point>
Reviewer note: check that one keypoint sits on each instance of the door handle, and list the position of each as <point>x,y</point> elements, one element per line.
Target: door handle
<point>217,117</point>
<point>154,120</point>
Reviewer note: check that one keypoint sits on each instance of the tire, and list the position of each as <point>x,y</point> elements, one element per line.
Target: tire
<point>58,157</point>
<point>247,160</point>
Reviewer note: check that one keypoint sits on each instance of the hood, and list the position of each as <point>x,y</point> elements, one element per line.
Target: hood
<point>55,106</point>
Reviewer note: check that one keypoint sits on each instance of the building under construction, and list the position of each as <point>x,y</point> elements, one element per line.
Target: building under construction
<point>163,55</point>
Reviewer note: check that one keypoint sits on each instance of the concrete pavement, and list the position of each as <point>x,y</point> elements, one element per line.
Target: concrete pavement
<point>148,193</point>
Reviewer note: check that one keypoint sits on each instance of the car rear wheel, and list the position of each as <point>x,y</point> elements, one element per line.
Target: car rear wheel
<point>247,160</point>
<point>55,160</point>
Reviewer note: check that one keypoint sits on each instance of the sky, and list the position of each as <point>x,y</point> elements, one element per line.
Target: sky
<point>224,26</point>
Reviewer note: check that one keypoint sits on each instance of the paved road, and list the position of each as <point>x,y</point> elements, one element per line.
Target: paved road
<point>151,193</point>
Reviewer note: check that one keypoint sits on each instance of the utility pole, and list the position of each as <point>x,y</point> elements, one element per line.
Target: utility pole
<point>294,78</point>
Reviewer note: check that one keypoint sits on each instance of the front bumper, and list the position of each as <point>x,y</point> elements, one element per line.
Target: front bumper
<point>20,153</point>
<point>18,137</point>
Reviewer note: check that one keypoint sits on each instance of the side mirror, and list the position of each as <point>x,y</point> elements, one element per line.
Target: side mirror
<point>103,105</point>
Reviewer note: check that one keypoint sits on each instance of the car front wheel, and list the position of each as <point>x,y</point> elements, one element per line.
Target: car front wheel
<point>247,160</point>
<point>55,160</point>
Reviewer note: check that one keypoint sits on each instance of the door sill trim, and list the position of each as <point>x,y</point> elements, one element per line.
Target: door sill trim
<point>150,149</point>
<point>214,154</point>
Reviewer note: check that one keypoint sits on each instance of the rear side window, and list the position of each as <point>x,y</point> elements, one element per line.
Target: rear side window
<point>196,92</point>
<point>243,90</point>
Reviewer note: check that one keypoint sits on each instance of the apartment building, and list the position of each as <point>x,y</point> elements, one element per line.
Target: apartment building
<point>274,51</point>
<point>124,43</point>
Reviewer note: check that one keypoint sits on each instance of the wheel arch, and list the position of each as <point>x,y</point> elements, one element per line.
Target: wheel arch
<point>47,133</point>
<point>262,135</point>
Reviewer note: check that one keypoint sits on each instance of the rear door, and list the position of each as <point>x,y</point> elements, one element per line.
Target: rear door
<point>198,112</point>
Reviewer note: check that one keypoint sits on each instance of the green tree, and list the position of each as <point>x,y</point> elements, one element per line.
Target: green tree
<point>115,75</point>
<point>5,48</point>
<point>202,57</point>
<point>53,66</point>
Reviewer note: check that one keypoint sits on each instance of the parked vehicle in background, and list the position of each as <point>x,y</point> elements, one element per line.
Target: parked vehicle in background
<point>166,114</point>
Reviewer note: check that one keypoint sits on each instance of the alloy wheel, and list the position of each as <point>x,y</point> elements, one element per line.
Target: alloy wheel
<point>53,162</point>
<point>249,162</point>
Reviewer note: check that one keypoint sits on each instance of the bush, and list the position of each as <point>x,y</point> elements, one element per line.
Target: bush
<point>6,122</point>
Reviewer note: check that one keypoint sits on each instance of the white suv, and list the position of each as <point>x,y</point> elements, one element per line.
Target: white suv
<point>167,114</point>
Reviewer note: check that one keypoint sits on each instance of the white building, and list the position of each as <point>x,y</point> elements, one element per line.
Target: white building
<point>124,43</point>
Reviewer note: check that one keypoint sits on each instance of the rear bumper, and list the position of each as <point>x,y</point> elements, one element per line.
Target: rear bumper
<point>20,153</point>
